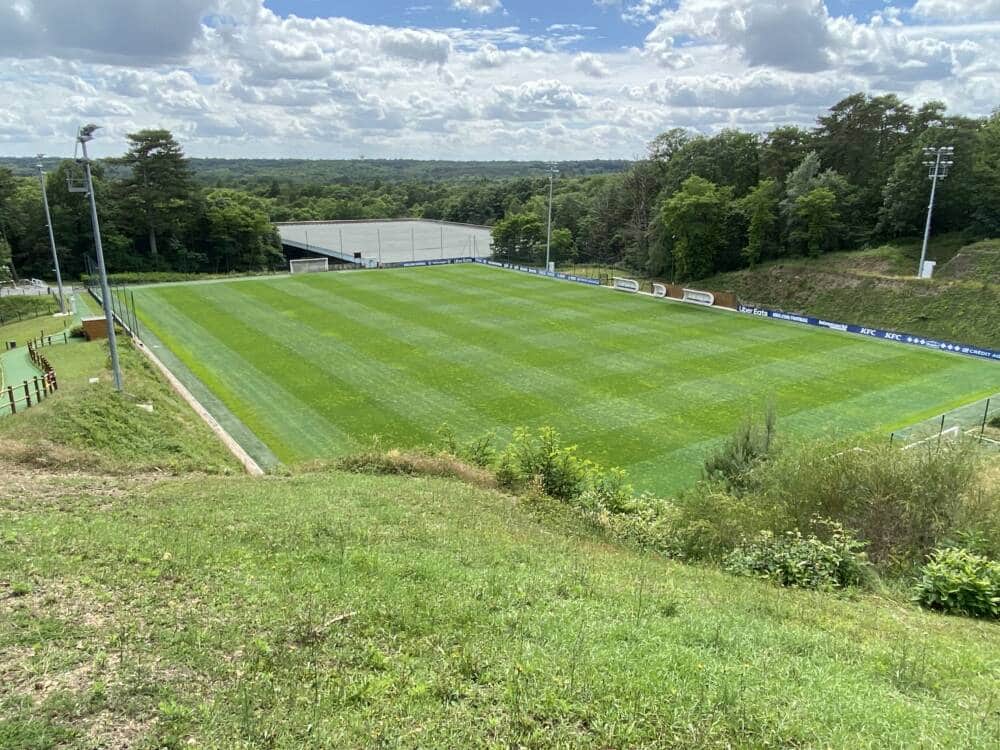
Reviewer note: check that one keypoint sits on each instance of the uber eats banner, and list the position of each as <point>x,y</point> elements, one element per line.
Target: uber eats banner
<point>878,333</point>
<point>540,272</point>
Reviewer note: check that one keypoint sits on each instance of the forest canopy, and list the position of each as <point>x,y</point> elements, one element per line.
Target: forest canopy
<point>693,206</point>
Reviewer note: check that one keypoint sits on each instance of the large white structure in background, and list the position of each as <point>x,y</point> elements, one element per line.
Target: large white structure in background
<point>371,243</point>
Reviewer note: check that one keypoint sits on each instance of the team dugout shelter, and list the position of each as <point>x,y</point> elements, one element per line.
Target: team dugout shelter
<point>382,242</point>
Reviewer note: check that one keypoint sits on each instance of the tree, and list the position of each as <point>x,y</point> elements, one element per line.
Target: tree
<point>782,150</point>
<point>986,172</point>
<point>519,238</point>
<point>663,147</point>
<point>817,220</point>
<point>240,234</point>
<point>759,208</point>
<point>160,187</point>
<point>563,247</point>
<point>692,223</point>
<point>906,192</point>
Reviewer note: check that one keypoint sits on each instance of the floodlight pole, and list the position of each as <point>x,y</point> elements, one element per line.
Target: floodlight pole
<point>84,136</point>
<point>52,237</point>
<point>548,237</point>
<point>935,174</point>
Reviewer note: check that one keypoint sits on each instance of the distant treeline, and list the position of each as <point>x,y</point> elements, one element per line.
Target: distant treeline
<point>231,172</point>
<point>694,206</point>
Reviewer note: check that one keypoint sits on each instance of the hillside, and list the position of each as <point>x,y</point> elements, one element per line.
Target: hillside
<point>147,599</point>
<point>872,287</point>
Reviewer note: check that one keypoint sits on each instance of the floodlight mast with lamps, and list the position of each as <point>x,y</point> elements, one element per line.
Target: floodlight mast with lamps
<point>52,237</point>
<point>938,162</point>
<point>548,237</point>
<point>87,134</point>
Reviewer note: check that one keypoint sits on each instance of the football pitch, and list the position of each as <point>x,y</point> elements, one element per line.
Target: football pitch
<point>317,364</point>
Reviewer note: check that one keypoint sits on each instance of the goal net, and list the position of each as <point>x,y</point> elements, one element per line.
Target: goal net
<point>309,265</point>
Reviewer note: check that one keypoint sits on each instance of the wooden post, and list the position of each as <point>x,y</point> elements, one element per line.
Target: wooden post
<point>55,382</point>
<point>27,394</point>
<point>13,403</point>
<point>38,391</point>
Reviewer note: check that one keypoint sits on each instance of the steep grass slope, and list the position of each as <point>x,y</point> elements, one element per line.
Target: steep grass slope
<point>871,288</point>
<point>142,609</point>
<point>344,611</point>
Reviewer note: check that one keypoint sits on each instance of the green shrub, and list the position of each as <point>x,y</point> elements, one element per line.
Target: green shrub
<point>960,582</point>
<point>903,503</point>
<point>747,448</point>
<point>479,451</point>
<point>608,490</point>
<point>559,471</point>
<point>994,421</point>
<point>807,562</point>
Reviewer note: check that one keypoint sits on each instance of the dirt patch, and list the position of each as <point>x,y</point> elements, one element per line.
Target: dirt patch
<point>111,732</point>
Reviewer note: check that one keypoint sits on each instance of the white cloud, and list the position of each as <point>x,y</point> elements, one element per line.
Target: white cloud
<point>590,65</point>
<point>232,77</point>
<point>788,34</point>
<point>477,6</point>
<point>416,45</point>
<point>958,10</point>
<point>156,30</point>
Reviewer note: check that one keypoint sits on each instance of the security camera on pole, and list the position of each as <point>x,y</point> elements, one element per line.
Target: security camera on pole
<point>87,134</point>
<point>52,237</point>
<point>548,237</point>
<point>938,161</point>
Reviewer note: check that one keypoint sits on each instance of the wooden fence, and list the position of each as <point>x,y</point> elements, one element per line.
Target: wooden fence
<point>30,392</point>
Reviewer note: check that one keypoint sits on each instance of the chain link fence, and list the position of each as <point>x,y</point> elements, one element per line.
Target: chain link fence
<point>979,421</point>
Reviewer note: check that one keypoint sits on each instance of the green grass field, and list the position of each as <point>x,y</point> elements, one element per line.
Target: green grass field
<point>316,365</point>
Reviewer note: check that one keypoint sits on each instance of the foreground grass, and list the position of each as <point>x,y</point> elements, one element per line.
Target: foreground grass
<point>144,610</point>
<point>351,611</point>
<point>316,365</point>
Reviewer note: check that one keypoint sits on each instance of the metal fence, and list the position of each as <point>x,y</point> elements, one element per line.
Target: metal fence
<point>979,421</point>
<point>122,299</point>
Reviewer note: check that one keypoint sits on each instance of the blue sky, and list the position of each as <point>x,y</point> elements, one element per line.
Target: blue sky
<point>468,79</point>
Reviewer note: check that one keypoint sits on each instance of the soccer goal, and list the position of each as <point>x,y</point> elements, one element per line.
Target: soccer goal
<point>309,265</point>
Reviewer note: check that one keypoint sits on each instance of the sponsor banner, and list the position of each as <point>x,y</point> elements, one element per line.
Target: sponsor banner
<point>877,333</point>
<point>659,290</point>
<point>625,285</point>
<point>539,272</point>
<point>699,297</point>
<point>434,262</point>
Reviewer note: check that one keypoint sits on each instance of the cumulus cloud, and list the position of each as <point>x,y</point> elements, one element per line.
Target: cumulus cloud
<point>533,100</point>
<point>477,6</point>
<point>416,45</point>
<point>788,34</point>
<point>958,10</point>
<point>233,77</point>
<point>156,31</point>
<point>590,65</point>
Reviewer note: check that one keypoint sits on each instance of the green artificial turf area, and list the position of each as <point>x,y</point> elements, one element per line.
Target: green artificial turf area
<point>315,365</point>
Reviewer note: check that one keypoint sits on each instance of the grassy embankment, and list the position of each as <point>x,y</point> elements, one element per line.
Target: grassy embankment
<point>876,287</point>
<point>142,608</point>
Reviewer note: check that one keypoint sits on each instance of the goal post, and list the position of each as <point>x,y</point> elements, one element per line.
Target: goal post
<point>309,265</point>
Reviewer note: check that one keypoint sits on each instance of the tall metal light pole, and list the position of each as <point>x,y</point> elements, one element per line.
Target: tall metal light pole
<point>938,161</point>
<point>548,238</point>
<point>52,237</point>
<point>87,134</point>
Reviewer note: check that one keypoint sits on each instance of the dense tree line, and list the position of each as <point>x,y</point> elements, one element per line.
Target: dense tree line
<point>154,217</point>
<point>702,204</point>
<point>695,205</point>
